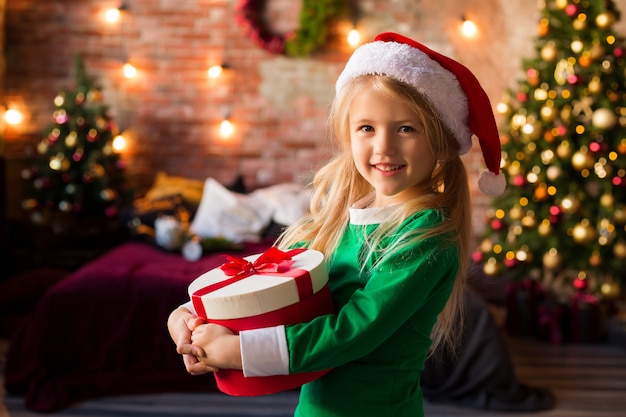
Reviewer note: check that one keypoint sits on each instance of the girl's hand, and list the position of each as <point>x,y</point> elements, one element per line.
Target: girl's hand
<point>180,324</point>
<point>219,345</point>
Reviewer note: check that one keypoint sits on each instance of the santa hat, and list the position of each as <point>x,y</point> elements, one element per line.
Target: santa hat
<point>450,87</point>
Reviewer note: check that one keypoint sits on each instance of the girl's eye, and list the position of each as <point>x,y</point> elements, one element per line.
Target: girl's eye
<point>366,128</point>
<point>407,129</point>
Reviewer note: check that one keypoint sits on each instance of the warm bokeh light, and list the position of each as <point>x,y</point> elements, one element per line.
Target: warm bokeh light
<point>13,117</point>
<point>119,143</point>
<point>215,71</point>
<point>112,15</point>
<point>469,28</point>
<point>226,128</point>
<point>129,70</point>
<point>354,38</point>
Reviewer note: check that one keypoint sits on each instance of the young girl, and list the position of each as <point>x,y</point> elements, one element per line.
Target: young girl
<point>391,213</point>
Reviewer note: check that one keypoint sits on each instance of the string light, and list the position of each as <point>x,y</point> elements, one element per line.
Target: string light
<point>215,71</point>
<point>114,14</point>
<point>354,38</point>
<point>226,128</point>
<point>469,28</point>
<point>13,117</point>
<point>129,70</point>
<point>119,143</point>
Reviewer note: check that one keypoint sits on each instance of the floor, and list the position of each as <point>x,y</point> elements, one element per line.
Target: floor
<point>588,380</point>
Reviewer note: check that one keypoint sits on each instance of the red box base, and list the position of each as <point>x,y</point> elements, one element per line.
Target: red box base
<point>232,382</point>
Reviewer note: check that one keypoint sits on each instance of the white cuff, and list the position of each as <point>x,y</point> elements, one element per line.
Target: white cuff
<point>264,351</point>
<point>189,306</point>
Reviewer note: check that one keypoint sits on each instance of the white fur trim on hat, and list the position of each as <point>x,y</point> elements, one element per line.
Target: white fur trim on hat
<point>412,66</point>
<point>490,183</point>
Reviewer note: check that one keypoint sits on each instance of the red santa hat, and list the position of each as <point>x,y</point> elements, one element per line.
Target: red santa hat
<point>450,87</point>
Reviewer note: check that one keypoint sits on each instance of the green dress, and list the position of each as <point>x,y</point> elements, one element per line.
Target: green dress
<point>377,343</point>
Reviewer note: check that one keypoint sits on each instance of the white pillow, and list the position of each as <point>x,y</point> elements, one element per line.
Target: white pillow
<point>288,201</point>
<point>234,216</point>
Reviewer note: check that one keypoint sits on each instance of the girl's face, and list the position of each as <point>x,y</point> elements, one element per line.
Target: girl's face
<point>389,145</point>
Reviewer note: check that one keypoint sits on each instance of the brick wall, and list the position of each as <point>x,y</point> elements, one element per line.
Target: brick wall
<point>171,110</point>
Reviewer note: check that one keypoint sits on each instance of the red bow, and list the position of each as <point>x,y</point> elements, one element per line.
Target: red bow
<point>272,260</point>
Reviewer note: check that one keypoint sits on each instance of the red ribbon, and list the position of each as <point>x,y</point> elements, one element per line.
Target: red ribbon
<point>271,262</point>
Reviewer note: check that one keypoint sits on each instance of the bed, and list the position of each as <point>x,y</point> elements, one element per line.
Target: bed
<point>101,331</point>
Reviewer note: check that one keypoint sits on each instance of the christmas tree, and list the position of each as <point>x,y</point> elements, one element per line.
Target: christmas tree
<point>77,171</point>
<point>562,220</point>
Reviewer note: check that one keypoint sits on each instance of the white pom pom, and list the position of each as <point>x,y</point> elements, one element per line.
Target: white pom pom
<point>491,184</point>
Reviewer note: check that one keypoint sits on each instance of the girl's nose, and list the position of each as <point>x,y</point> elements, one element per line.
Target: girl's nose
<point>384,143</point>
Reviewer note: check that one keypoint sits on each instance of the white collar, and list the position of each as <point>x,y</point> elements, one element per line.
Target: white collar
<point>361,214</point>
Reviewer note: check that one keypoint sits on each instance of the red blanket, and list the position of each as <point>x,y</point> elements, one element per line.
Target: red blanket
<point>102,330</point>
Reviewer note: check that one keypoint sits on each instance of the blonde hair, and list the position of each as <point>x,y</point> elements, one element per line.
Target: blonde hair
<point>338,185</point>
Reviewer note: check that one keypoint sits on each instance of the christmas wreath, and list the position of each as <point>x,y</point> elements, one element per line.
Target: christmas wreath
<point>314,20</point>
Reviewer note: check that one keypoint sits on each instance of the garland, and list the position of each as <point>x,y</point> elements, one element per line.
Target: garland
<point>314,20</point>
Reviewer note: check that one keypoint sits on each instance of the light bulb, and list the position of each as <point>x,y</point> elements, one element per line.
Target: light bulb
<point>469,28</point>
<point>129,70</point>
<point>13,117</point>
<point>215,71</point>
<point>119,143</point>
<point>112,15</point>
<point>226,128</point>
<point>354,38</point>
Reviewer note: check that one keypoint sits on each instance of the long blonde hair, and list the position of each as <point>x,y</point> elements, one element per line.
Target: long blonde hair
<point>338,185</point>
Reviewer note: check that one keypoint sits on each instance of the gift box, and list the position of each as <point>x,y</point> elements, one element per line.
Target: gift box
<point>522,301</point>
<point>588,319</point>
<point>263,290</point>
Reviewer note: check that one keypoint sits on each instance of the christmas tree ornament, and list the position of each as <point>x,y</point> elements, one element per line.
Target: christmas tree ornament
<point>541,94</point>
<point>529,221</point>
<point>548,113</point>
<point>577,46</point>
<point>543,27</point>
<point>561,4</point>
<point>611,289</point>
<point>541,192</point>
<point>564,150</point>
<point>516,213</point>
<point>604,118</point>
<point>563,71</point>
<point>552,259</point>
<point>582,160</point>
<point>65,206</point>
<point>596,51</point>
<point>486,245</point>
<point>532,75</point>
<point>579,24</point>
<point>29,204</point>
<point>545,228</point>
<point>581,284</point>
<point>619,249</point>
<point>571,10</point>
<point>548,52</point>
<point>595,259</point>
<point>583,233</point>
<point>605,20</point>
<point>595,85</point>
<point>570,204</point>
<point>59,100</point>
<point>584,60</point>
<point>491,267</point>
<point>607,200</point>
